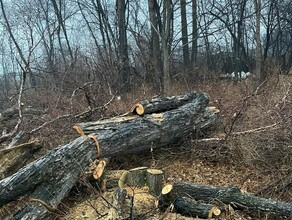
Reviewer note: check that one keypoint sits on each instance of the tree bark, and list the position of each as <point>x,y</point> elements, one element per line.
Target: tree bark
<point>232,196</point>
<point>257,6</point>
<point>194,33</point>
<point>123,48</point>
<point>162,104</point>
<point>51,177</point>
<point>155,47</point>
<point>184,38</point>
<point>190,207</point>
<point>14,158</point>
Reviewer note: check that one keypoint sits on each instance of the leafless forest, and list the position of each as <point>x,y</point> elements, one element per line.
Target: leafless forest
<point>64,62</point>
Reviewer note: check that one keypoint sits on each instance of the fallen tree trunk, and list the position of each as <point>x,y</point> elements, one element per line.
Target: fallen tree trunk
<point>151,130</point>
<point>190,207</point>
<point>51,177</point>
<point>229,195</point>
<point>162,104</point>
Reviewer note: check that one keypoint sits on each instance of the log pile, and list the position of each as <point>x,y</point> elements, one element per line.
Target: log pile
<point>51,177</point>
<point>186,196</point>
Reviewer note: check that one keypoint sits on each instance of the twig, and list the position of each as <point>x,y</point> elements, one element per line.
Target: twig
<point>251,131</point>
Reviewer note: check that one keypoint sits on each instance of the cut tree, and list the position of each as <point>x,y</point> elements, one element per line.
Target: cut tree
<point>51,177</point>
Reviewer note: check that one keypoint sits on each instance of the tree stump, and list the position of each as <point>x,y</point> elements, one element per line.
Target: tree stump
<point>137,177</point>
<point>155,180</point>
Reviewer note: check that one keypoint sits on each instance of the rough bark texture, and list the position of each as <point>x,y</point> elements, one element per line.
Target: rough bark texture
<point>16,157</point>
<point>232,196</point>
<point>137,177</point>
<point>190,207</point>
<point>51,177</point>
<point>162,104</point>
<point>134,133</point>
<point>155,180</point>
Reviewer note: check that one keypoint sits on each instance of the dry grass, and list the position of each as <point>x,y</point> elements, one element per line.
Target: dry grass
<point>251,162</point>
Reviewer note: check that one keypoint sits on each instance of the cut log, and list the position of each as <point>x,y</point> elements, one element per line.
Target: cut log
<point>51,177</point>
<point>162,104</point>
<point>48,179</point>
<point>133,133</point>
<point>189,207</point>
<point>229,195</point>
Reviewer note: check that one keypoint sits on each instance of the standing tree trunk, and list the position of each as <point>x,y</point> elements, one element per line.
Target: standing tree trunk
<point>62,25</point>
<point>123,47</point>
<point>166,33</point>
<point>257,5</point>
<point>184,26</point>
<point>195,33</point>
<point>155,46</point>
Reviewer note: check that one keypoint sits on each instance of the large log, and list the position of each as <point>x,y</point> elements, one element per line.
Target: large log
<point>228,195</point>
<point>51,177</point>
<point>135,133</point>
<point>162,104</point>
<point>189,207</point>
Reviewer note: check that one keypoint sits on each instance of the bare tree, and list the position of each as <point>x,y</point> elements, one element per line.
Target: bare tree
<point>123,47</point>
<point>62,26</point>
<point>257,6</point>
<point>184,26</point>
<point>194,53</point>
<point>155,45</point>
<point>165,27</point>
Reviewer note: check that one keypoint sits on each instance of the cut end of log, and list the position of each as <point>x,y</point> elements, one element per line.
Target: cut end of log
<point>154,171</point>
<point>99,169</point>
<point>214,211</point>
<point>137,109</point>
<point>214,109</point>
<point>166,189</point>
<point>78,129</point>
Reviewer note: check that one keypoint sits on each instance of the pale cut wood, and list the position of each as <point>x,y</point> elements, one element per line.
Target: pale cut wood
<point>123,179</point>
<point>98,171</point>
<point>166,189</point>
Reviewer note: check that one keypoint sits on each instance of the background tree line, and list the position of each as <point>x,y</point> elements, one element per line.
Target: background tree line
<point>107,46</point>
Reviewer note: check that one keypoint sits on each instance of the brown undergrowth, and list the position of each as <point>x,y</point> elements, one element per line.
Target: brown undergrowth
<point>257,161</point>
